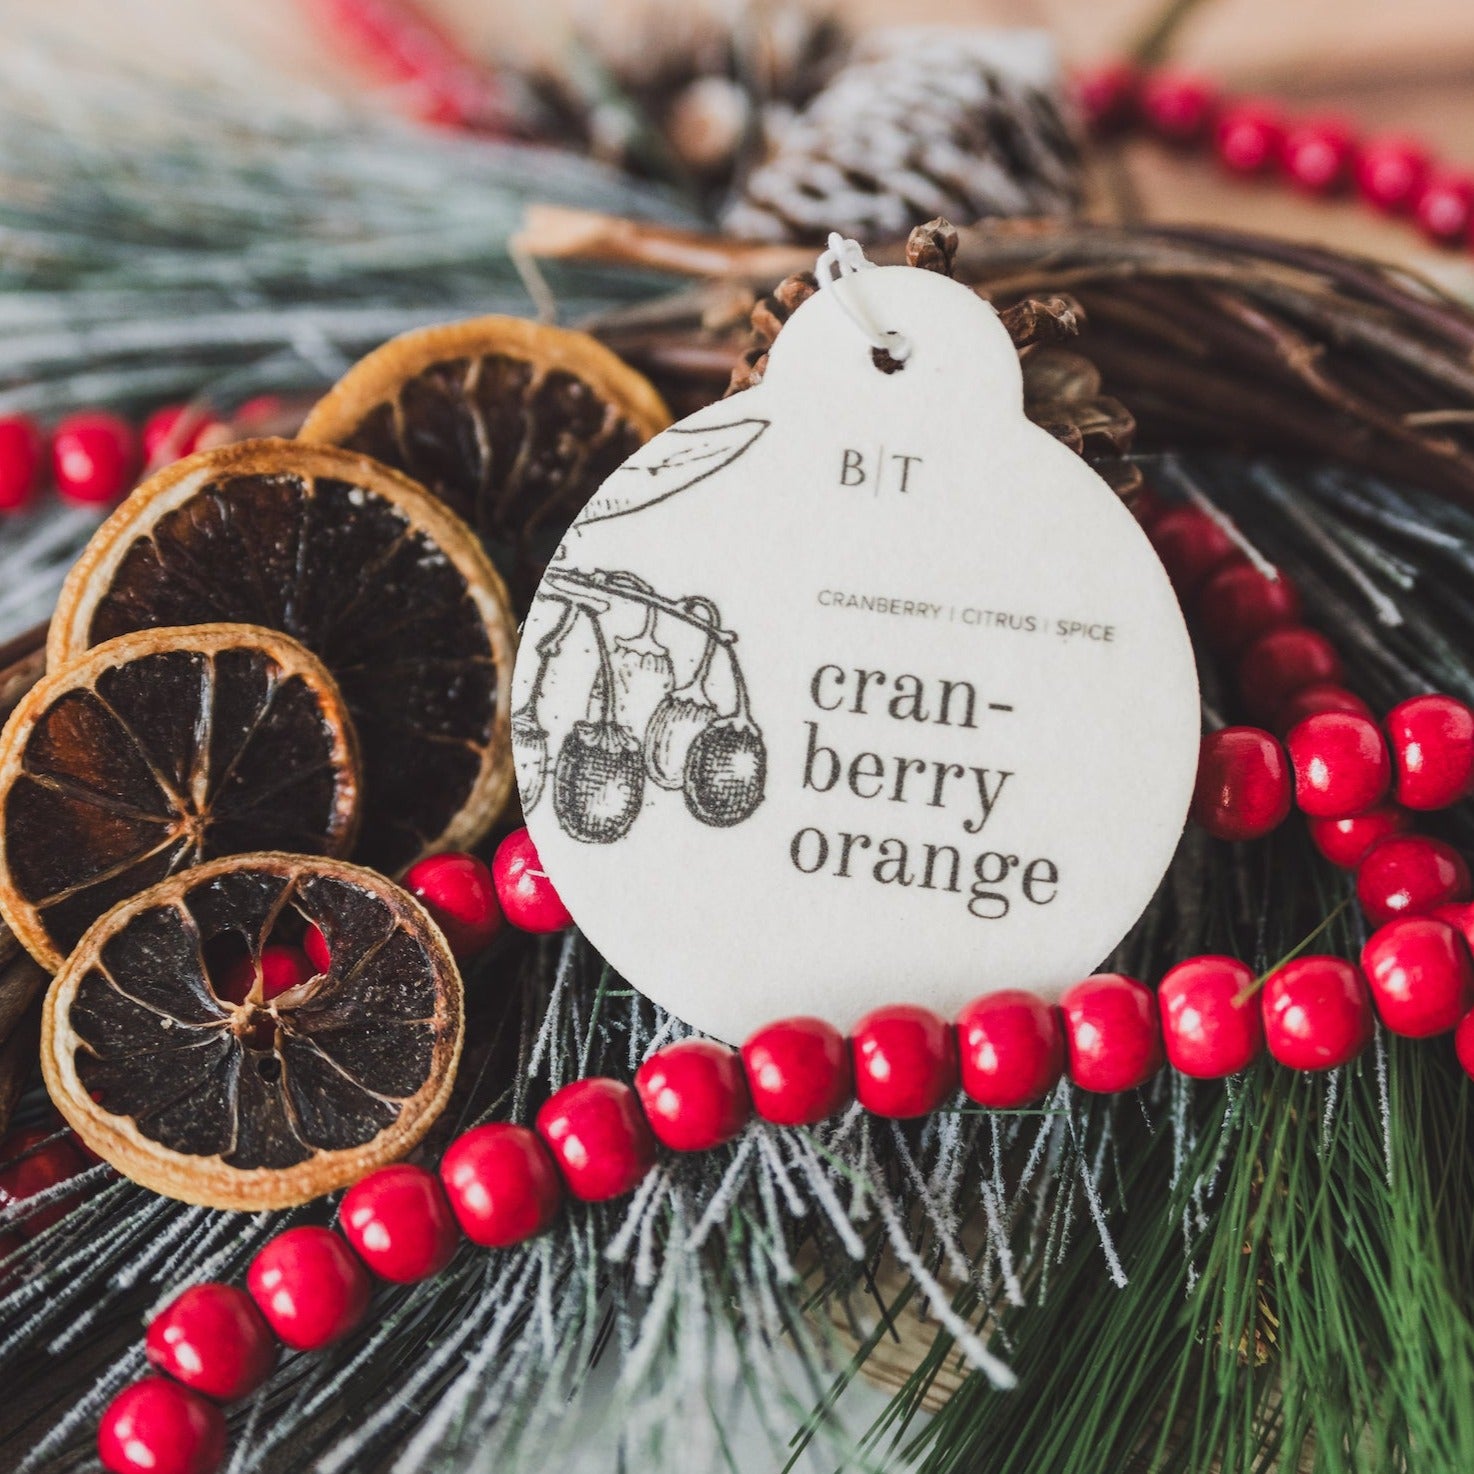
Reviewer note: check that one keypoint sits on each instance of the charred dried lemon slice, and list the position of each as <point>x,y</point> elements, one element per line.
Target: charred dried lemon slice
<point>156,751</point>
<point>514,423</point>
<point>367,570</point>
<point>257,1104</point>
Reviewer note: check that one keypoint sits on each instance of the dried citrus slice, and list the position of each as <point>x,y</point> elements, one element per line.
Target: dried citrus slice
<point>257,1104</point>
<point>514,423</point>
<point>367,570</point>
<point>158,750</point>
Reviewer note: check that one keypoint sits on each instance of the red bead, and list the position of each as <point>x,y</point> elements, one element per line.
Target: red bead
<point>1248,136</point>
<point>1309,701</point>
<point>21,451</point>
<point>282,967</point>
<point>32,1161</point>
<point>1011,1049</point>
<point>315,945</point>
<point>1445,208</point>
<point>94,456</point>
<point>1239,603</point>
<point>155,1426</point>
<point>1390,174</point>
<point>1421,975</point>
<point>1106,95</point>
<point>1243,785</point>
<point>1177,105</point>
<point>1408,875</point>
<point>398,1220</point>
<point>522,886</point>
<point>905,1061</point>
<point>460,895</point>
<point>1282,662</point>
<point>1317,1013</point>
<point>694,1095</point>
<point>1345,842</point>
<point>212,1338</point>
<point>1191,545</point>
<point>1342,766</point>
<point>598,1137</point>
<point>502,1184</point>
<point>1459,915</point>
<point>1433,749</point>
<point>798,1071</point>
<point>1112,1033</point>
<point>311,1287</point>
<point>173,432</point>
<point>1318,153</point>
<point>1211,1024</point>
<point>1464,1043</point>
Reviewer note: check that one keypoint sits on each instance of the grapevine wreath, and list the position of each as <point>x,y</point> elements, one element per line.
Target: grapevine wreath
<point>1213,1204</point>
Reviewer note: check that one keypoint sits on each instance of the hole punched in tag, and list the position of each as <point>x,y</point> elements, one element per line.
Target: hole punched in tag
<point>837,268</point>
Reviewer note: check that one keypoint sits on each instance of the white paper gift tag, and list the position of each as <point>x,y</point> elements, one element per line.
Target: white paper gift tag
<point>856,688</point>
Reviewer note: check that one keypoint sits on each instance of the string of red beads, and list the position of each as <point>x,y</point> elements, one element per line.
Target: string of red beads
<point>1255,136</point>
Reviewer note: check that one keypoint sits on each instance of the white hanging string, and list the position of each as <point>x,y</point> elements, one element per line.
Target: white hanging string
<point>837,268</point>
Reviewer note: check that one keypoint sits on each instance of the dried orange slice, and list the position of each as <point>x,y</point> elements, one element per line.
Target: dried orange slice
<point>257,1104</point>
<point>514,424</point>
<point>369,571</point>
<point>158,750</point>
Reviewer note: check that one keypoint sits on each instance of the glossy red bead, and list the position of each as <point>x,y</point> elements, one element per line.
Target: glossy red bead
<point>155,1426</point>
<point>1010,1049</point>
<point>398,1221</point>
<point>1444,208</point>
<point>94,456</point>
<point>1464,1044</point>
<point>798,1071</point>
<point>172,432</point>
<point>459,893</point>
<point>1433,751</point>
<point>1211,1023</point>
<point>1421,975</point>
<point>1460,916</point>
<point>1177,105</point>
<point>1317,1013</point>
<point>1282,662</point>
<point>1113,1037</point>
<point>212,1338</point>
<point>599,1138</point>
<point>1345,842</point>
<point>311,1287</point>
<point>905,1061</point>
<point>526,894</point>
<point>694,1094</point>
<point>1106,95</point>
<point>1192,546</point>
<point>1318,154</point>
<point>1409,875</point>
<point>1243,787</point>
<point>1310,701</point>
<point>502,1184</point>
<point>282,967</point>
<point>315,945</point>
<point>1239,603</point>
<point>1248,136</point>
<point>1342,766</point>
<point>34,1160</point>
<point>1390,173</point>
<point>22,450</point>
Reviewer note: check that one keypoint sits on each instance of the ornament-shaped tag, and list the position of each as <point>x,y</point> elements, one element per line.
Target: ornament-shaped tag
<point>857,688</point>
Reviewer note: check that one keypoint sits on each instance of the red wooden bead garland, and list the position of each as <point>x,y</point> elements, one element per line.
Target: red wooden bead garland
<point>94,456</point>
<point>1243,784</point>
<point>398,1220</point>
<point>694,1094</point>
<point>1408,875</point>
<point>1177,105</point>
<point>1345,842</point>
<point>315,945</point>
<point>1342,766</point>
<point>527,897</point>
<point>1317,1013</point>
<point>1211,1020</point>
<point>155,1426</point>
<point>1106,95</point>
<point>1433,750</point>
<point>502,1184</point>
<point>21,452</point>
<point>459,893</point>
<point>1421,975</point>
<point>1282,662</point>
<point>1248,136</point>
<point>1011,1049</point>
<point>211,1337</point>
<point>1238,604</point>
<point>1445,207</point>
<point>1112,1033</point>
<point>1310,701</point>
<point>1192,545</point>
<point>905,1060</point>
<point>172,432</point>
<point>32,1161</point>
<point>798,1071</point>
<point>310,1286</point>
<point>599,1138</point>
<point>1464,1043</point>
<point>1318,154</point>
<point>1391,173</point>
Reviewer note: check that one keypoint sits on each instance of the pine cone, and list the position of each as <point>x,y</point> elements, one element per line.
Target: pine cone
<point>918,123</point>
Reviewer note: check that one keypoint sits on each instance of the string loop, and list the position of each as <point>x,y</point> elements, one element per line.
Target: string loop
<point>837,269</point>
